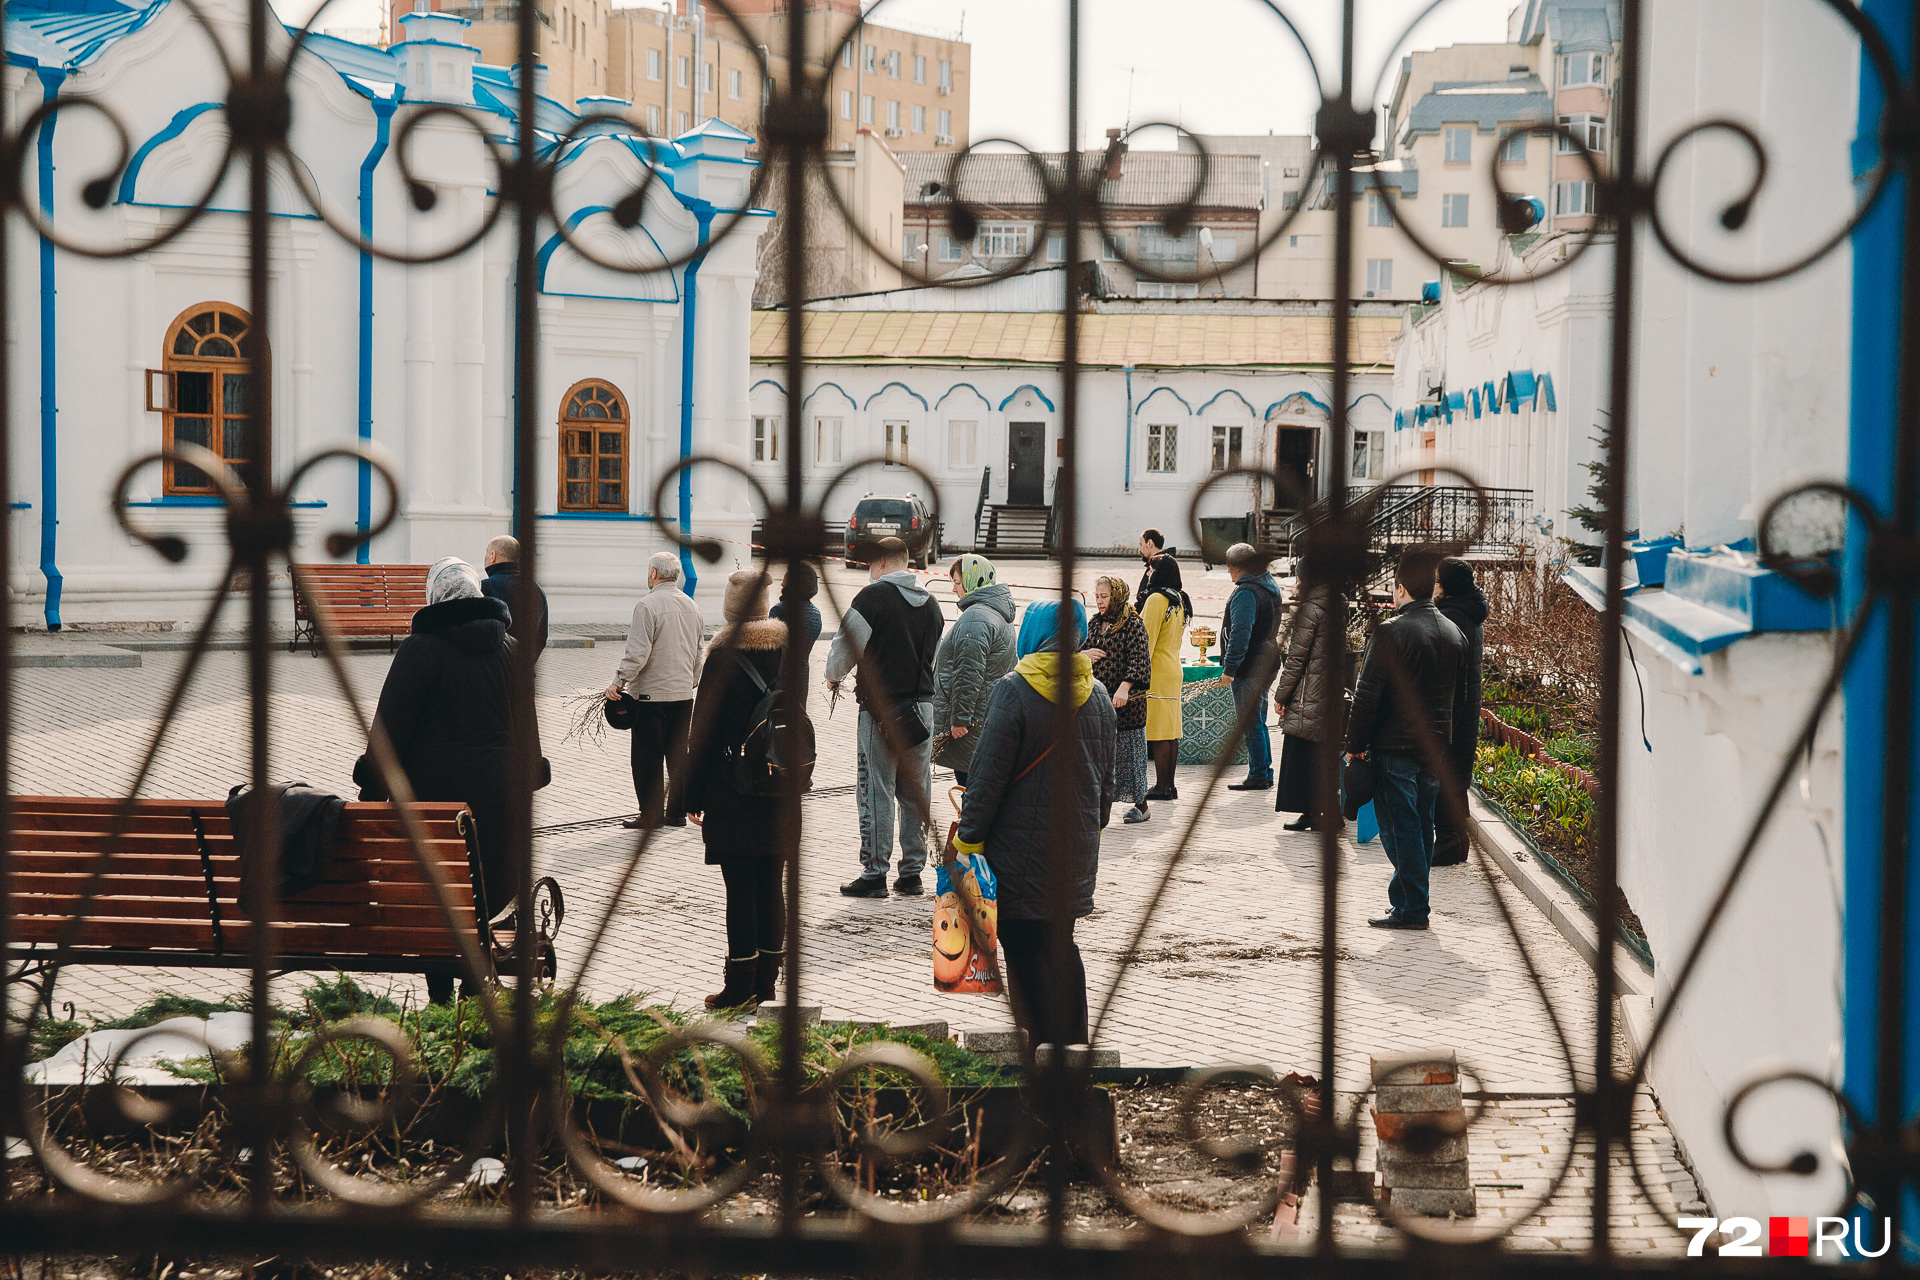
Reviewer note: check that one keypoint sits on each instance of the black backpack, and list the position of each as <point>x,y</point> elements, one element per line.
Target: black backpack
<point>757,764</point>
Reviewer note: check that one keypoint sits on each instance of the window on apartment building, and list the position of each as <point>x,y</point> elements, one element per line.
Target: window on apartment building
<point>1379,276</point>
<point>1163,447</point>
<point>1572,199</point>
<point>1001,240</point>
<point>946,76</point>
<point>653,64</point>
<point>766,439</point>
<point>869,59</point>
<point>893,64</point>
<point>653,120</point>
<point>826,441</point>
<point>1379,210</point>
<point>919,118</point>
<point>950,250</point>
<point>943,123</point>
<point>963,443</point>
<point>919,69</point>
<point>846,104</point>
<point>1157,245</point>
<point>893,116</point>
<point>1514,149</point>
<point>1112,246</point>
<point>681,125</point>
<point>1303,246</point>
<point>1459,146</point>
<point>683,71</point>
<point>896,443</point>
<point>846,56</point>
<point>733,84</point>
<point>706,77</point>
<point>866,108</point>
<point>1226,447</point>
<point>1165,289</point>
<point>1369,455</point>
<point>1289,199</point>
<point>1225,248</point>
<point>1453,211</point>
<point>1582,68</point>
<point>1056,248</point>
<point>1290,173</point>
<point>1587,130</point>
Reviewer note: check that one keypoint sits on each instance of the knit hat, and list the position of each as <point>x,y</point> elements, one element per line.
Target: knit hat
<point>746,597</point>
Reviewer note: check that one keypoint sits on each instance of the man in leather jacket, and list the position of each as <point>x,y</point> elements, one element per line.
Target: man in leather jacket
<point>1413,687</point>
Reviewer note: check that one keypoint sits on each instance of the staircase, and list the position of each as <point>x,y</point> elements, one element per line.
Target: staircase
<point>1015,531</point>
<point>1404,515</point>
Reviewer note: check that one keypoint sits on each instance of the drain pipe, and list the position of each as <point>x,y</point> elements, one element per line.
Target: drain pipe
<point>1128,473</point>
<point>383,109</point>
<point>50,81</point>
<point>689,311</point>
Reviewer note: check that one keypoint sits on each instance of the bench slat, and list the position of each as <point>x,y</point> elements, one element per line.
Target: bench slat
<point>292,911</point>
<point>404,870</point>
<point>304,939</point>
<point>396,892</point>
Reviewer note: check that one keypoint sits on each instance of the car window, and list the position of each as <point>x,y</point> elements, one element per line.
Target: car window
<point>884,509</point>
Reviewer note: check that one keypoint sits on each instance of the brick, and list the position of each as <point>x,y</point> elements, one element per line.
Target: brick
<point>1401,1099</point>
<point>1448,1174</point>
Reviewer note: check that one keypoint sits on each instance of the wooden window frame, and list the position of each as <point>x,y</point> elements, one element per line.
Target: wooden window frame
<point>571,422</point>
<point>163,387</point>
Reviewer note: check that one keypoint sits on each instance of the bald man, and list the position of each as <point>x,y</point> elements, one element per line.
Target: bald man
<point>502,564</point>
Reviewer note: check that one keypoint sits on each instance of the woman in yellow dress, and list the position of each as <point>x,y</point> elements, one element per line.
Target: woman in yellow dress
<point>1164,609</point>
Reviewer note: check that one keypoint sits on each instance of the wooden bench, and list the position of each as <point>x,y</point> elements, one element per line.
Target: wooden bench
<point>361,599</point>
<point>169,896</point>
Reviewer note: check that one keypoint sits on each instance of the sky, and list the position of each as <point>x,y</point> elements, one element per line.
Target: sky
<point>1214,66</point>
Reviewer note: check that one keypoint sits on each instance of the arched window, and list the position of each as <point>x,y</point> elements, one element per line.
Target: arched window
<point>593,448</point>
<point>208,393</point>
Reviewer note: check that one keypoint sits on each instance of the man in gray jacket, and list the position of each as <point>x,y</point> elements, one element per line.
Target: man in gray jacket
<point>660,669</point>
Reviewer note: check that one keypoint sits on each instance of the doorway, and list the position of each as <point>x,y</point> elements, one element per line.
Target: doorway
<point>1026,464</point>
<point>1297,455</point>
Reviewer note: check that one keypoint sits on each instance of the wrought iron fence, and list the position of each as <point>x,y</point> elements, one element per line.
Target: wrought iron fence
<point>793,1130</point>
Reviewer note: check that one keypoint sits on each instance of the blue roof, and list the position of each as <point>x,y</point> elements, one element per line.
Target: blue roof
<point>1484,104</point>
<point>66,33</point>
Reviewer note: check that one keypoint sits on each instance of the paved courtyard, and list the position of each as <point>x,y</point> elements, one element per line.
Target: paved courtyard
<point>1227,971</point>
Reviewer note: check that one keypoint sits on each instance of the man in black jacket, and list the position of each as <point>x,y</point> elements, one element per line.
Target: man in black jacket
<point>1465,606</point>
<point>502,583</point>
<point>1413,687</point>
<point>895,624</point>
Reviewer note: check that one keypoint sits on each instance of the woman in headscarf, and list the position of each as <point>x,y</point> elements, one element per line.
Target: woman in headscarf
<point>738,829</point>
<point>1123,664</point>
<point>1164,610</point>
<point>447,710</point>
<point>1035,839</point>
<point>975,652</point>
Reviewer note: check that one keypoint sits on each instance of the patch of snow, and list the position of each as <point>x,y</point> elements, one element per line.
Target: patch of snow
<point>90,1059</point>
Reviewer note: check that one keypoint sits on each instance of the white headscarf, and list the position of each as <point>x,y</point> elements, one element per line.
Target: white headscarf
<point>452,579</point>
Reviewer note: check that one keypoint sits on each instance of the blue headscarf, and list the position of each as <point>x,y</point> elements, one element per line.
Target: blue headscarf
<point>1040,627</point>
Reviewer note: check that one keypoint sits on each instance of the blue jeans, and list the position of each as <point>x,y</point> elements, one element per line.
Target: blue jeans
<point>1259,744</point>
<point>881,796</point>
<point>1405,791</point>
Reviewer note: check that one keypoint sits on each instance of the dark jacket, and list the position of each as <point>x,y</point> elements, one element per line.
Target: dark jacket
<point>897,625</point>
<point>1312,676</point>
<point>973,655</point>
<point>735,826</point>
<point>500,583</point>
<point>1128,658</point>
<point>1253,619</point>
<point>1468,611</point>
<point>810,620</point>
<point>1431,657</point>
<point>445,705</point>
<point>1017,821</point>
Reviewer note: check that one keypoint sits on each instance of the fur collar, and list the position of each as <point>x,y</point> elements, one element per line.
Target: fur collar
<point>759,635</point>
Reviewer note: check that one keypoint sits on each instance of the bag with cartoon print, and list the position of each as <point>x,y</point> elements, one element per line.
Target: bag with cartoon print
<point>966,918</point>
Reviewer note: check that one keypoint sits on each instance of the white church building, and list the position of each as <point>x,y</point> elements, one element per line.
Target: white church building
<point>117,355</point>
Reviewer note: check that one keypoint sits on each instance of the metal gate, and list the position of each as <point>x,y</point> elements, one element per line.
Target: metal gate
<point>791,1128</point>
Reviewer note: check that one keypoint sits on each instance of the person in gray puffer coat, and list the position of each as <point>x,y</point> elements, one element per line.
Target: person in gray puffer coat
<point>1011,815</point>
<point>975,652</point>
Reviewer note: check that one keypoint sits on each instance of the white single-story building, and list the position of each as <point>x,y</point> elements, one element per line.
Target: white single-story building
<point>114,357</point>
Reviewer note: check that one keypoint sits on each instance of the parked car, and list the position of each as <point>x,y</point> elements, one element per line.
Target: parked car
<point>905,516</point>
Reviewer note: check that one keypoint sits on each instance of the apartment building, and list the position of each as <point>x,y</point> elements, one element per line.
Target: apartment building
<point>853,223</point>
<point>573,39</point>
<point>1210,258</point>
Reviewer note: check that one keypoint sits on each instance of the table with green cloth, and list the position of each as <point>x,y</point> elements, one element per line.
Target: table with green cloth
<point>1206,716</point>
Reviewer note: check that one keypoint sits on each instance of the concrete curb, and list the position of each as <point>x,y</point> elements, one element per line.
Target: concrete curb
<point>1565,912</point>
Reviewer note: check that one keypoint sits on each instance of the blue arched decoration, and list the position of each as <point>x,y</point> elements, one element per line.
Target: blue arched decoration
<point>904,387</point>
<point>574,220</point>
<point>1374,395</point>
<point>766,382</point>
<point>1308,396</point>
<point>822,387</point>
<point>1026,387</point>
<point>1142,406</point>
<point>171,130</point>
<point>968,386</point>
<point>1229,391</point>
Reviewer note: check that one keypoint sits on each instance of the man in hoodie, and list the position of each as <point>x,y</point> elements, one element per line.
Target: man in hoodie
<point>895,625</point>
<point>1247,660</point>
<point>1465,605</point>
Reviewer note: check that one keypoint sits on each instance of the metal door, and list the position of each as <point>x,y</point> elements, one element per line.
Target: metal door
<point>1026,464</point>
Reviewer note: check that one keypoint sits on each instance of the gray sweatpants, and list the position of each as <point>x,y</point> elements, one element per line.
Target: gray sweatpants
<point>883,788</point>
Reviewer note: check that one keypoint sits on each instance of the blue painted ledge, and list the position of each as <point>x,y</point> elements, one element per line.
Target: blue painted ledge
<point>595,515</point>
<point>211,500</point>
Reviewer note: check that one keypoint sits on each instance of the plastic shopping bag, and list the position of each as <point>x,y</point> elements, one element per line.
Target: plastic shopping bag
<point>966,919</point>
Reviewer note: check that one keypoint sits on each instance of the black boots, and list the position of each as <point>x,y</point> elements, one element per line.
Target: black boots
<point>741,975</point>
<point>766,976</point>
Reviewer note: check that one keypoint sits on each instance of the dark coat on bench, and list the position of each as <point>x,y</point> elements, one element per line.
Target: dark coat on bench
<point>446,706</point>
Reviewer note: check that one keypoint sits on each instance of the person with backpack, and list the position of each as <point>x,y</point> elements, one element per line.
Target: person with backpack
<point>737,826</point>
